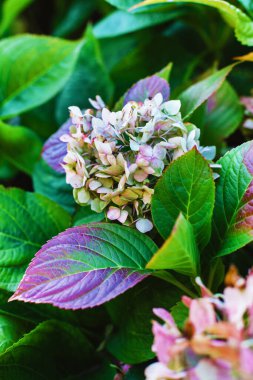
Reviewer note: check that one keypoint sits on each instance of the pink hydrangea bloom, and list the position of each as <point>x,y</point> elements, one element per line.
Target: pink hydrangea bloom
<point>217,339</point>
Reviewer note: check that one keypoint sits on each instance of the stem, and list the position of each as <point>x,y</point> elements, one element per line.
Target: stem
<point>214,264</point>
<point>168,277</point>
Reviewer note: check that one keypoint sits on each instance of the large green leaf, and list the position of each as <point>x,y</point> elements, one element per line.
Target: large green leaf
<point>10,10</point>
<point>120,22</point>
<point>131,313</point>
<point>33,70</point>
<point>179,252</point>
<point>90,78</point>
<point>52,185</point>
<point>187,186</point>
<point>27,220</point>
<point>242,24</point>
<point>198,93</point>
<point>233,211</point>
<point>53,350</point>
<point>20,146</point>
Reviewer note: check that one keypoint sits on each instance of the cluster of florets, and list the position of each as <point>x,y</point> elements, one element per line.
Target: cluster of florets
<point>114,158</point>
<point>217,339</point>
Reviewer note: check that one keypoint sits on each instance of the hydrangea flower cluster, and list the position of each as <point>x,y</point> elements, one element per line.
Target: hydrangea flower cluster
<point>217,340</point>
<point>114,158</point>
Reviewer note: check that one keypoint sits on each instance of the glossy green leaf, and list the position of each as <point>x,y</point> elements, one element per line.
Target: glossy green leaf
<point>27,220</point>
<point>90,78</point>
<point>131,313</point>
<point>233,211</point>
<point>44,65</point>
<point>53,350</point>
<point>198,93</point>
<point>19,146</point>
<point>10,10</point>
<point>52,185</point>
<point>187,186</point>
<point>120,22</point>
<point>179,252</point>
<point>242,24</point>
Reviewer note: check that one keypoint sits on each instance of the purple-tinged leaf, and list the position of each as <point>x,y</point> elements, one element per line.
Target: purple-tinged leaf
<point>54,149</point>
<point>233,212</point>
<point>148,88</point>
<point>86,266</point>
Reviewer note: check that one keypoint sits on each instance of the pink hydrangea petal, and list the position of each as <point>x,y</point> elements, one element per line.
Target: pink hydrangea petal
<point>113,213</point>
<point>202,314</point>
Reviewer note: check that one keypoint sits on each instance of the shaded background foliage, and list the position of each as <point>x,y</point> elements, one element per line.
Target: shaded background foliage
<point>110,50</point>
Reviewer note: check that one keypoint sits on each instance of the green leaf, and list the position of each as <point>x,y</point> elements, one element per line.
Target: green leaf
<point>11,329</point>
<point>27,220</point>
<point>33,70</point>
<point>53,350</point>
<point>198,93</point>
<point>19,146</point>
<point>179,252</point>
<point>238,20</point>
<point>187,186</point>
<point>10,10</point>
<point>85,215</point>
<point>90,78</point>
<point>233,212</point>
<point>131,314</point>
<point>224,114</point>
<point>120,22</point>
<point>52,185</point>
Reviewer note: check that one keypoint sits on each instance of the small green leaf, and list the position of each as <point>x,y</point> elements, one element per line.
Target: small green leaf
<point>33,70</point>
<point>187,186</point>
<point>198,93</point>
<point>233,211</point>
<point>238,20</point>
<point>27,220</point>
<point>179,252</point>
<point>180,314</point>
<point>19,146</point>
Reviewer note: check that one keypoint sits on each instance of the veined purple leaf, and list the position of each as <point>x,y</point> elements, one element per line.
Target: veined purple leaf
<point>148,88</point>
<point>54,149</point>
<point>233,212</point>
<point>86,266</point>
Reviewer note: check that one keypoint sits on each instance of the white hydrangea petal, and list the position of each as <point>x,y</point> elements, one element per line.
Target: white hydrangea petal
<point>172,107</point>
<point>113,213</point>
<point>144,225</point>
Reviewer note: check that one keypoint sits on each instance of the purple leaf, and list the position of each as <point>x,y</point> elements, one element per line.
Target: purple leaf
<point>148,88</point>
<point>54,149</point>
<point>86,266</point>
